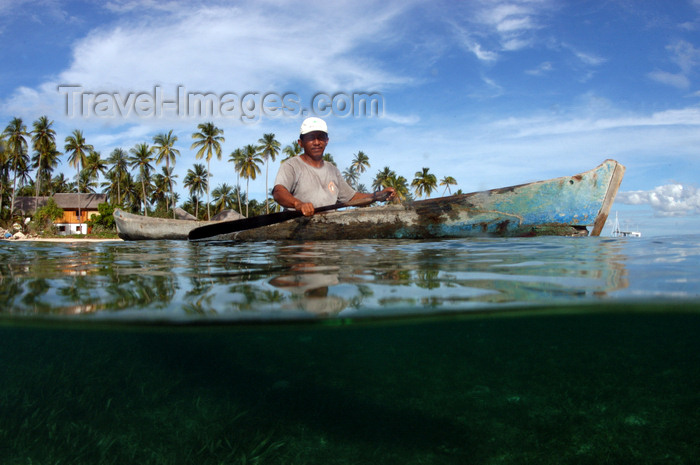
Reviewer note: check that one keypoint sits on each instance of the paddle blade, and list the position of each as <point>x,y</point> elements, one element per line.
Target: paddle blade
<point>226,227</point>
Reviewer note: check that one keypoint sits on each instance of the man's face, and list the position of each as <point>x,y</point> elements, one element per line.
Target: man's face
<point>314,143</point>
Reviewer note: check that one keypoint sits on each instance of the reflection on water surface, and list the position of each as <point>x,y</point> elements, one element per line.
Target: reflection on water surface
<point>344,278</point>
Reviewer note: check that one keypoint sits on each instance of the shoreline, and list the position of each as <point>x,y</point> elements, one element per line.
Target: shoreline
<point>65,240</point>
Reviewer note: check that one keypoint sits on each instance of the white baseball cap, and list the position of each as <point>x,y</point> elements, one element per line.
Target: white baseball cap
<point>313,124</point>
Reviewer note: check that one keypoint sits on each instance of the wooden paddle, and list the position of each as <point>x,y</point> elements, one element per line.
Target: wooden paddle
<point>226,227</point>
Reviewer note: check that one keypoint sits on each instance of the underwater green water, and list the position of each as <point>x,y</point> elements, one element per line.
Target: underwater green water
<point>547,351</point>
<point>575,385</point>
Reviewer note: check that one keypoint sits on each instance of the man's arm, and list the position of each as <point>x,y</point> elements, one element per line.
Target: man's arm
<point>360,195</point>
<point>283,197</point>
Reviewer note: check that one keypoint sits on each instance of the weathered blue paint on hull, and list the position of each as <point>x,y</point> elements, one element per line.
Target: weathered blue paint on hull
<point>530,209</point>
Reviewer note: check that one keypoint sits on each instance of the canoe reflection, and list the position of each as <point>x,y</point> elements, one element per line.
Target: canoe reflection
<point>310,288</point>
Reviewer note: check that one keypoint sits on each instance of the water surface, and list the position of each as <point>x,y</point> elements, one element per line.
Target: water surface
<point>173,280</point>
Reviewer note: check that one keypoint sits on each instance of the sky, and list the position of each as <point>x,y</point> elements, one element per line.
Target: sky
<point>493,93</point>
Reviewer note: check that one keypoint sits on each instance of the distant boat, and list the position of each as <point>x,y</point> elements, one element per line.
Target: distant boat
<point>617,232</point>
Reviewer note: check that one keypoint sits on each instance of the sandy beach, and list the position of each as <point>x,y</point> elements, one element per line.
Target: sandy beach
<point>62,239</point>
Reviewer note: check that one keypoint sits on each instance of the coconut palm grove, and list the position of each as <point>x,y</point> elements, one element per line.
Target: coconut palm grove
<point>140,179</point>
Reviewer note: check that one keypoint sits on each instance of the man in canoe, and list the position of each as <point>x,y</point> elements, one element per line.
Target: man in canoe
<point>306,182</point>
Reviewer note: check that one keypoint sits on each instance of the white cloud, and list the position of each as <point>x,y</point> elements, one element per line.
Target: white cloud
<point>514,25</point>
<point>666,200</point>
<point>253,47</point>
<point>595,115</point>
<point>543,68</point>
<point>125,6</point>
<point>684,54</point>
<point>686,57</point>
<point>225,48</point>
<point>508,17</point>
<point>589,59</point>
<point>491,27</point>
<point>473,46</point>
<point>39,12</point>
<point>494,88</point>
<point>678,80</point>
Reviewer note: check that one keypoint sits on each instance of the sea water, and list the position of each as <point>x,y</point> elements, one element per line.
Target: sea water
<point>532,350</point>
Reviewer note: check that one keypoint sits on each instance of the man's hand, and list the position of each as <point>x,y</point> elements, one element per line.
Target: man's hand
<point>391,192</point>
<point>283,197</point>
<point>306,208</point>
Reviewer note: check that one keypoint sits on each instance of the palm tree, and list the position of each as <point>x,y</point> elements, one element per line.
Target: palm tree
<point>191,203</point>
<point>197,182</point>
<point>78,149</point>
<point>269,148</point>
<point>95,165</point>
<point>44,143</point>
<point>240,196</point>
<point>14,135</point>
<point>424,182</point>
<point>131,198</point>
<point>249,169</point>
<point>448,181</point>
<point>237,157</point>
<point>120,166</point>
<point>381,178</point>
<point>360,163</point>
<point>223,198</point>
<point>351,176</point>
<point>4,172</point>
<point>275,206</point>
<point>60,184</point>
<point>208,140</point>
<point>160,189</point>
<point>165,151</point>
<point>142,156</point>
<point>86,182</point>
<point>291,151</point>
<point>49,162</point>
<point>400,185</point>
<point>169,179</point>
<point>110,186</point>
<point>25,187</point>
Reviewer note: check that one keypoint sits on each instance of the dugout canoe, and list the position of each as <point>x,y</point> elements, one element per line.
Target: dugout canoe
<point>567,206</point>
<point>132,227</point>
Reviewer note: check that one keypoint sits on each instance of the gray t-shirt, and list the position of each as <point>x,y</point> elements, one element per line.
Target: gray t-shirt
<point>320,186</point>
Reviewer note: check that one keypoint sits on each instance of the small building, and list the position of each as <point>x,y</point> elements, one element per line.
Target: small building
<point>77,209</point>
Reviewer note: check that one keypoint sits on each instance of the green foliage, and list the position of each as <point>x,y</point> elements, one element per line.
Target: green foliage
<point>48,213</point>
<point>43,218</point>
<point>105,219</point>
